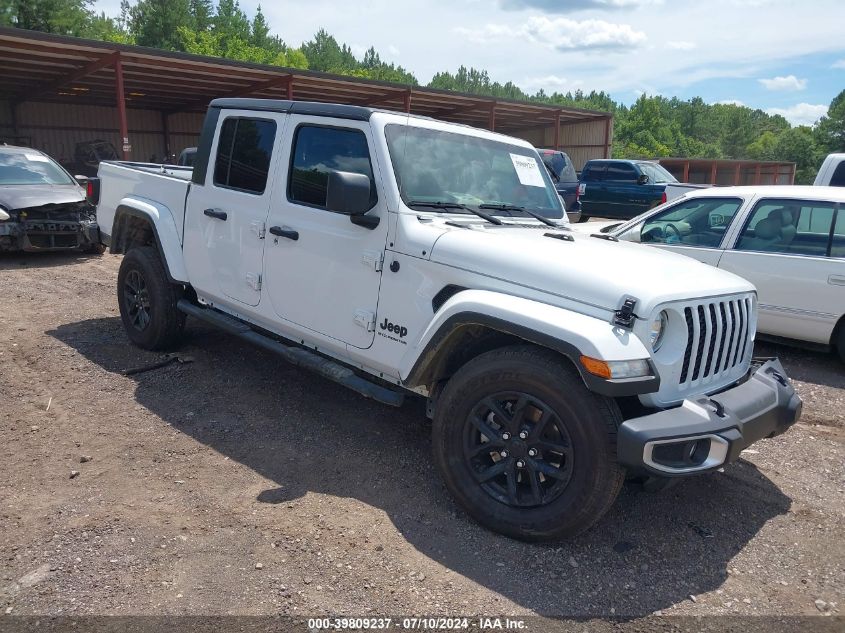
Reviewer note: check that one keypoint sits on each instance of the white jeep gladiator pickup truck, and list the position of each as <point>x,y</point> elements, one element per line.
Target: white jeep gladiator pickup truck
<point>403,255</point>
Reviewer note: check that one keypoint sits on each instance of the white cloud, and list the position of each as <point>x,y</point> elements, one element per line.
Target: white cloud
<point>393,50</point>
<point>551,84</point>
<point>789,83</point>
<point>681,45</point>
<point>801,113</point>
<point>558,6</point>
<point>839,64</point>
<point>562,33</point>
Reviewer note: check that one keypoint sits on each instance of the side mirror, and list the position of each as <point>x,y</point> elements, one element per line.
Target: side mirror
<point>349,193</point>
<point>643,179</point>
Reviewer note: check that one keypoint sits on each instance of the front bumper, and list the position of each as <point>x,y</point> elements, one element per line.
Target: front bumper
<point>48,235</point>
<point>706,432</point>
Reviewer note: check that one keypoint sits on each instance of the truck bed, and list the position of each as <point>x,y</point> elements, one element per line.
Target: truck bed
<point>120,180</point>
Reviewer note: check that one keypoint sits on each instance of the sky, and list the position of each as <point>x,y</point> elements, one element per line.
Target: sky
<point>783,56</point>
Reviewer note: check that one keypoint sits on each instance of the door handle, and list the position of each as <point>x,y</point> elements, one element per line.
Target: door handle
<point>836,280</point>
<point>284,231</point>
<point>216,213</point>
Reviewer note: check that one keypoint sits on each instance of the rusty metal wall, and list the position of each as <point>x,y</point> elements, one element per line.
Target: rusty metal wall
<point>582,141</point>
<point>57,128</point>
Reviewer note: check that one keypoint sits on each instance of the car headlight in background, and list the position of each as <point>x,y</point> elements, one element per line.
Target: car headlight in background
<point>657,329</point>
<point>3,215</point>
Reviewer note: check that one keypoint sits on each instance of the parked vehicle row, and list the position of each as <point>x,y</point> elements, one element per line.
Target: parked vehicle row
<point>623,189</point>
<point>403,256</point>
<point>789,241</point>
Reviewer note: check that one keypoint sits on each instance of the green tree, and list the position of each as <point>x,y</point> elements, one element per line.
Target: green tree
<point>765,147</point>
<point>64,17</point>
<point>157,23</point>
<point>798,145</point>
<point>202,12</point>
<point>325,54</point>
<point>230,22</point>
<point>831,128</point>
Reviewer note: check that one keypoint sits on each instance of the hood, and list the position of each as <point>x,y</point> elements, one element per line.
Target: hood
<point>587,270</point>
<point>14,197</point>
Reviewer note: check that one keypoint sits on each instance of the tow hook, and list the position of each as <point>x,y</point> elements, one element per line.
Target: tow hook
<point>717,407</point>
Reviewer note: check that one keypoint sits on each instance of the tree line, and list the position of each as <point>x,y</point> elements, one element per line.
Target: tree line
<point>654,126</point>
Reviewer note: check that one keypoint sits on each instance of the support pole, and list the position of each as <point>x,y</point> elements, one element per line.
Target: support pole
<point>737,173</point>
<point>165,130</point>
<point>557,130</point>
<point>407,101</point>
<point>121,107</point>
<point>757,175</point>
<point>491,119</point>
<point>713,173</point>
<point>686,171</point>
<point>13,110</point>
<point>607,137</point>
<point>289,95</point>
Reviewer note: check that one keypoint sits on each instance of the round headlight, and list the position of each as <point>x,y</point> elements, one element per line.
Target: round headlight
<point>658,328</point>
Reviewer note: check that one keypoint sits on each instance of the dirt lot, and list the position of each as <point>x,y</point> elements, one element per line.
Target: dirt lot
<point>238,485</point>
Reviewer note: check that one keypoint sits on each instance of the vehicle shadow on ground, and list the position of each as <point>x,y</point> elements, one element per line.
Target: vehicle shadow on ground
<point>306,434</point>
<point>17,260</point>
<point>818,368</point>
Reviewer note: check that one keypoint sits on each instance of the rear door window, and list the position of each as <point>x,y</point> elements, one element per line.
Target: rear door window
<point>244,148</point>
<point>797,227</point>
<point>837,244</point>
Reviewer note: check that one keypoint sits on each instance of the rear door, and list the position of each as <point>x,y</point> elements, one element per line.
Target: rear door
<point>784,249</point>
<point>225,217</point>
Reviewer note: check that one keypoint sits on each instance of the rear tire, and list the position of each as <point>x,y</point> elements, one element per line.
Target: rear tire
<point>147,300</point>
<point>524,447</point>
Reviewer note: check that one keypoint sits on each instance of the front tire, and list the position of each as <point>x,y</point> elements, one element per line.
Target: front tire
<point>147,300</point>
<point>840,343</point>
<point>524,447</point>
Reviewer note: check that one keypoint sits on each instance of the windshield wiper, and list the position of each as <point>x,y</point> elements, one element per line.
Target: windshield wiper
<point>445,206</point>
<point>515,207</point>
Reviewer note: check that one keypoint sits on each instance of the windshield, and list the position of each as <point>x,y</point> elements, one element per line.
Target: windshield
<point>28,167</point>
<point>656,173</point>
<point>437,166</point>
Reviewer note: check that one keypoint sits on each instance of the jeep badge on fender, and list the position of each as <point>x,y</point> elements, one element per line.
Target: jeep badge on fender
<point>392,327</point>
<point>510,332</point>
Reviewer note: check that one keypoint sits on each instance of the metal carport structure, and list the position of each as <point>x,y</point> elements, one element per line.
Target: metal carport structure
<point>57,90</point>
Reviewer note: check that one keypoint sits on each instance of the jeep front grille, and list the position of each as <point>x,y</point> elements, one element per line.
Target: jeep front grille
<point>717,339</point>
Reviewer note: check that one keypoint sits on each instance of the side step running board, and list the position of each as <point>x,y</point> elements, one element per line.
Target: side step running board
<point>295,355</point>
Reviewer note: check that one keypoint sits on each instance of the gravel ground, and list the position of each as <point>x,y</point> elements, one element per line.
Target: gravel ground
<point>238,485</point>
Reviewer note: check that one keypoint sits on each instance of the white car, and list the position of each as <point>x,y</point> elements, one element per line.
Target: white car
<point>403,256</point>
<point>788,241</point>
<point>832,171</point>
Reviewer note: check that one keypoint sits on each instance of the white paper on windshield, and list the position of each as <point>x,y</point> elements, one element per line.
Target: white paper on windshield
<point>528,171</point>
<point>36,157</point>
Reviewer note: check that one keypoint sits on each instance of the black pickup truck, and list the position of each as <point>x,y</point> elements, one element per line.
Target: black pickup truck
<point>565,179</point>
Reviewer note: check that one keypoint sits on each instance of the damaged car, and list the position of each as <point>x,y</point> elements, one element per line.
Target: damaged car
<point>42,207</point>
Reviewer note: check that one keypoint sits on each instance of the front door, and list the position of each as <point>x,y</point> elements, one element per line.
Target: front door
<point>226,216</point>
<point>323,272</point>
